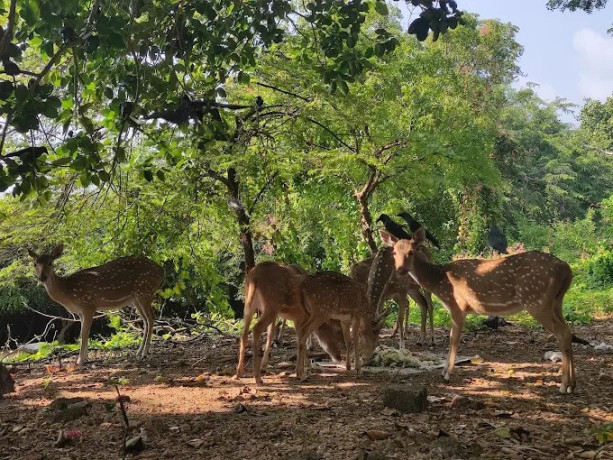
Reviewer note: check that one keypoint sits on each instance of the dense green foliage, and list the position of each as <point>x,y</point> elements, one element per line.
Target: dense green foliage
<point>282,158</point>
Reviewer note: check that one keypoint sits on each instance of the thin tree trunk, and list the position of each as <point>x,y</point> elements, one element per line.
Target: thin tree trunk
<point>365,217</point>
<point>244,221</point>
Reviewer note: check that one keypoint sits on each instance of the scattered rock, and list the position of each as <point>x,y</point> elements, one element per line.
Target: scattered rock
<point>135,444</point>
<point>466,403</point>
<point>444,446</point>
<point>195,443</point>
<point>68,409</point>
<point>405,398</point>
<point>602,346</point>
<point>7,384</point>
<point>555,356</point>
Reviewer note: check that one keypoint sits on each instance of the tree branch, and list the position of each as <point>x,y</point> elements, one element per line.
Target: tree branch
<point>262,190</point>
<point>340,141</point>
<point>8,34</point>
<point>289,93</point>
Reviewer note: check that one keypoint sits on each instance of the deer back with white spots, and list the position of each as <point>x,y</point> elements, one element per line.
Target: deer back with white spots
<point>272,290</point>
<point>384,283</point>
<point>328,295</point>
<point>532,281</point>
<point>131,280</point>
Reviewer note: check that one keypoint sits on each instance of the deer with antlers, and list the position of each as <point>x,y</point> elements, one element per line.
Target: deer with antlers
<point>399,288</point>
<point>533,281</point>
<point>328,295</point>
<point>131,280</point>
<point>273,290</point>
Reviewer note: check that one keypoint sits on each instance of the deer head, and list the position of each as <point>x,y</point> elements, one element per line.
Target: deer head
<point>404,250</point>
<point>43,264</point>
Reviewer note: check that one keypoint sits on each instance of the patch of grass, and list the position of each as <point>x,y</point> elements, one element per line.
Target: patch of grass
<point>117,341</point>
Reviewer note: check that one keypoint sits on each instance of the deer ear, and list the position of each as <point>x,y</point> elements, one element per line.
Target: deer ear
<point>32,254</point>
<point>57,251</point>
<point>420,235</point>
<point>388,239</point>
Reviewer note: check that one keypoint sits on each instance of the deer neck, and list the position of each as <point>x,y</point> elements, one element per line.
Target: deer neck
<point>430,276</point>
<point>55,286</point>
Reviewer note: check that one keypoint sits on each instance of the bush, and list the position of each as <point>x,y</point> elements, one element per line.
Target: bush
<point>598,270</point>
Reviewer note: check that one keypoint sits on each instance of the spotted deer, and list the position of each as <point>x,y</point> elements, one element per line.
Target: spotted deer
<point>532,281</point>
<point>131,280</point>
<point>272,290</point>
<point>328,295</point>
<point>398,288</point>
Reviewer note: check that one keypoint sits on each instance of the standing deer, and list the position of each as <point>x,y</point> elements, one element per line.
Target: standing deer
<point>398,288</point>
<point>131,280</point>
<point>272,290</point>
<point>533,281</point>
<point>328,295</point>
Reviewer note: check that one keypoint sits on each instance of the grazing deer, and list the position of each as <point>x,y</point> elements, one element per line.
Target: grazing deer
<point>533,281</point>
<point>131,280</point>
<point>272,290</point>
<point>328,295</point>
<point>398,288</point>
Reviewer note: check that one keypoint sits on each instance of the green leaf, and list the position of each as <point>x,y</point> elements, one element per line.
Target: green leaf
<point>381,8</point>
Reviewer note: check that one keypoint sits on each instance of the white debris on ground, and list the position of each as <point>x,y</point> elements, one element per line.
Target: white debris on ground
<point>392,357</point>
<point>554,356</point>
<point>602,346</point>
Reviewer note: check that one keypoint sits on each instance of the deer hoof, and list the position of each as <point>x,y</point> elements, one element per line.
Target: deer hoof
<point>564,389</point>
<point>259,381</point>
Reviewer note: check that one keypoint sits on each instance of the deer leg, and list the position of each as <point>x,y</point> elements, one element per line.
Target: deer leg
<point>457,323</point>
<point>403,312</point>
<point>262,324</point>
<point>280,330</point>
<point>148,316</point>
<point>431,313</point>
<point>346,328</point>
<point>356,346</point>
<point>304,331</point>
<point>269,336</point>
<point>247,317</point>
<point>86,323</point>
<point>141,314</point>
<point>420,300</point>
<point>561,331</point>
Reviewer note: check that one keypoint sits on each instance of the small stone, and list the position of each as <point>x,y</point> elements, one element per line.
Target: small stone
<point>466,403</point>
<point>405,398</point>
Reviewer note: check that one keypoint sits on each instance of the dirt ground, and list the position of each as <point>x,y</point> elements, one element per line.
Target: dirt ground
<point>184,403</point>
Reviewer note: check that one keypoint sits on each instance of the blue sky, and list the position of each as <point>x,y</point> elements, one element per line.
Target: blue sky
<point>569,55</point>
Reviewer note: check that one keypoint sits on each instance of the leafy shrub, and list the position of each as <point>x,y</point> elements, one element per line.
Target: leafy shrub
<point>598,270</point>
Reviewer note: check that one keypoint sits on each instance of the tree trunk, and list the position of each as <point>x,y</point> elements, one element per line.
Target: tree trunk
<point>244,221</point>
<point>365,217</point>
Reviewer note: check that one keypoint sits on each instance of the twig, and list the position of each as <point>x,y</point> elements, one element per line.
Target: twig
<point>126,422</point>
<point>63,318</point>
<point>289,93</point>
<point>385,386</point>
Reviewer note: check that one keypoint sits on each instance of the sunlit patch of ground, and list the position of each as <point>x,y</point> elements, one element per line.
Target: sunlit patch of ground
<point>507,406</point>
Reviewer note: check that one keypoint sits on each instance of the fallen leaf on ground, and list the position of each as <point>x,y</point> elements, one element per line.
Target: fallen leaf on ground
<point>377,435</point>
<point>195,443</point>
